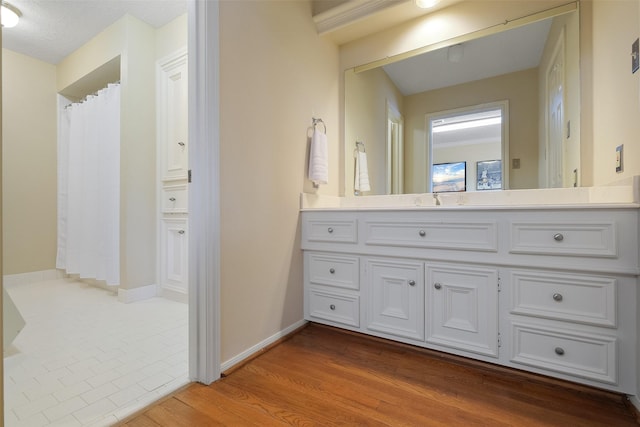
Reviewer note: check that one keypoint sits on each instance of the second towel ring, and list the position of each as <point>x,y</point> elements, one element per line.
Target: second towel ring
<point>319,121</point>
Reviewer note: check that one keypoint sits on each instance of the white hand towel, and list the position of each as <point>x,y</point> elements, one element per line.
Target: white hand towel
<point>319,158</point>
<point>362,172</point>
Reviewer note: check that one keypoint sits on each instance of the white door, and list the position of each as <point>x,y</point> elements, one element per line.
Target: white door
<point>396,297</point>
<point>462,307</point>
<point>555,117</point>
<point>395,151</point>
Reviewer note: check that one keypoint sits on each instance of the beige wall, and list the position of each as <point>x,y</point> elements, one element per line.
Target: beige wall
<point>520,89</point>
<point>275,75</point>
<point>615,99</point>
<point>172,37</point>
<point>29,167</point>
<point>366,98</point>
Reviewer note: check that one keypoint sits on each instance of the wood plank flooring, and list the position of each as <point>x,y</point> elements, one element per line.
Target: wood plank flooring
<point>326,377</point>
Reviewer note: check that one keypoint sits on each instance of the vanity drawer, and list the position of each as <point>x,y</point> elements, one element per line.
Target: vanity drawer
<point>571,238</point>
<point>462,235</point>
<point>568,297</point>
<point>174,199</point>
<point>589,356</point>
<point>334,307</point>
<point>341,271</point>
<point>330,230</point>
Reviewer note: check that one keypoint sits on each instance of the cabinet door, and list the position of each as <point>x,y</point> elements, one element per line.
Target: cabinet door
<point>462,308</point>
<point>173,118</point>
<point>396,297</point>
<point>174,263</point>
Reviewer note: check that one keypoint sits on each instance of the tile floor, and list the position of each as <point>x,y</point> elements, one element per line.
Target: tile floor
<point>85,359</point>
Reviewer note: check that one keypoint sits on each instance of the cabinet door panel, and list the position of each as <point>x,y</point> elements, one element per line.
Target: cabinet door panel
<point>462,311</point>
<point>174,254</point>
<point>396,297</point>
<point>173,118</point>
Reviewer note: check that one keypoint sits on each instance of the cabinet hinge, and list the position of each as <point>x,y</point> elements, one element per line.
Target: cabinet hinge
<point>499,284</point>
<point>189,175</point>
<point>499,340</point>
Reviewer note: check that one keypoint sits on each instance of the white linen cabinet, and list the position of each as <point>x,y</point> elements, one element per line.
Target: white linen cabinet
<point>173,148</point>
<point>544,289</point>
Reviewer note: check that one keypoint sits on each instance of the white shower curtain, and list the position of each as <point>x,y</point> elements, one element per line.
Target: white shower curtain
<point>89,187</point>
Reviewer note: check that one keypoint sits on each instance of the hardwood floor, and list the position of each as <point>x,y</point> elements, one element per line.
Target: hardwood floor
<point>325,377</point>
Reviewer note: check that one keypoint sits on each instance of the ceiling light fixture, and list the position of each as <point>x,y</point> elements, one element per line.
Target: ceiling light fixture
<point>10,15</point>
<point>426,4</point>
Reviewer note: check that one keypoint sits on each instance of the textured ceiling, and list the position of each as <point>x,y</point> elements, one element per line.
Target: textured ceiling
<point>50,30</point>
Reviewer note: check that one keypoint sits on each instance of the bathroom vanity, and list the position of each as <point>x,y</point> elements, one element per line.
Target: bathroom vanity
<point>544,287</point>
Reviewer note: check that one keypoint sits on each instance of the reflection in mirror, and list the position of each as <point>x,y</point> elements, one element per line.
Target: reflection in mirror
<point>534,66</point>
<point>475,135</point>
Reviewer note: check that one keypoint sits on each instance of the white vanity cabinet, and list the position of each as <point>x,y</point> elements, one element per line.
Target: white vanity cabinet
<point>547,290</point>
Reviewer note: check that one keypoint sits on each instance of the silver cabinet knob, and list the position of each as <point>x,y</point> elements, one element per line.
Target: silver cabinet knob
<point>412,282</point>
<point>330,230</point>
<point>172,199</point>
<point>181,232</point>
<point>559,351</point>
<point>332,270</point>
<point>437,285</point>
<point>422,233</point>
<point>332,307</point>
<point>557,297</point>
<point>558,237</point>
<point>181,144</point>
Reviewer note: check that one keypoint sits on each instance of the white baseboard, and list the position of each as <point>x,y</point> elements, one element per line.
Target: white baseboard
<point>262,344</point>
<point>11,280</point>
<point>137,294</point>
<point>635,401</point>
<point>173,295</point>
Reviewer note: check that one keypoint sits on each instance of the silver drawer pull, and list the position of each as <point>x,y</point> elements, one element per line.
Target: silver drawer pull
<point>330,230</point>
<point>412,282</point>
<point>437,285</point>
<point>332,307</point>
<point>422,233</point>
<point>181,144</point>
<point>558,237</point>
<point>172,199</point>
<point>180,231</point>
<point>557,297</point>
<point>332,270</point>
<point>559,351</point>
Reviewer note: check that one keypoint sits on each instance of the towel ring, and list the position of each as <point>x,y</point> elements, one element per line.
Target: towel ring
<point>358,144</point>
<point>319,121</point>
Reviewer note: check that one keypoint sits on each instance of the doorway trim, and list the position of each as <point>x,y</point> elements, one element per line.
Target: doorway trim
<point>204,191</point>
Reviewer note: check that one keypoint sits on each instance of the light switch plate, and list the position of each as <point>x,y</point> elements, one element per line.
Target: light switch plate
<point>619,150</point>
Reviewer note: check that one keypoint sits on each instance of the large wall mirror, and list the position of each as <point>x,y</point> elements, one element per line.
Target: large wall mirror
<point>502,104</point>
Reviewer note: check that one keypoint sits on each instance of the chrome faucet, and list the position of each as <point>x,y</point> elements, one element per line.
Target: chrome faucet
<point>435,197</point>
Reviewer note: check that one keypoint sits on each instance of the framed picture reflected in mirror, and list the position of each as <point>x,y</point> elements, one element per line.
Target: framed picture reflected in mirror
<point>489,175</point>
